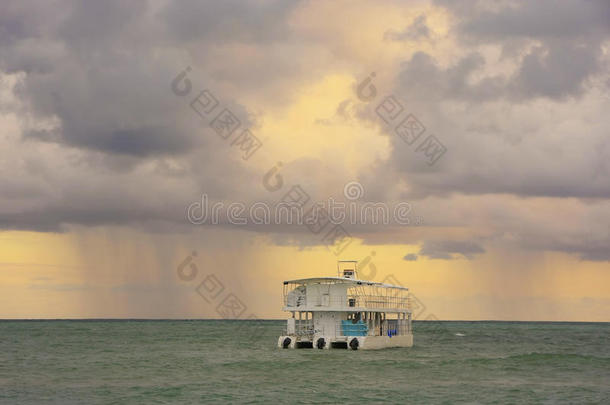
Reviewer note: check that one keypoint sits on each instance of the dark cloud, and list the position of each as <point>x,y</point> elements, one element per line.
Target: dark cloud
<point>95,81</point>
<point>556,70</point>
<point>447,249</point>
<point>97,69</point>
<point>103,140</point>
<point>410,257</point>
<point>591,242</point>
<point>93,26</point>
<point>226,21</point>
<point>511,131</point>
<point>11,29</point>
<point>533,19</point>
<point>568,37</point>
<point>422,76</point>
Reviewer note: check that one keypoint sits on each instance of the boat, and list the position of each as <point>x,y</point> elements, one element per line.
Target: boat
<point>344,312</point>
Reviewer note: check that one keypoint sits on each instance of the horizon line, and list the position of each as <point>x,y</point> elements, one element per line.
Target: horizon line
<point>274,319</point>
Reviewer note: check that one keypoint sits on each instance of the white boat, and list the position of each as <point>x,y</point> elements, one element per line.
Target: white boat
<point>345,312</point>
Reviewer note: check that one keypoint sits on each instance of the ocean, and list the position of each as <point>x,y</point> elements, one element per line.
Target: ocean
<point>202,361</point>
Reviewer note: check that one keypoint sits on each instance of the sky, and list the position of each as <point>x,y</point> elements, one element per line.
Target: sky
<point>486,123</point>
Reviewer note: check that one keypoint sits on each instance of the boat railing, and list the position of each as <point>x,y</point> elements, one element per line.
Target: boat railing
<point>395,327</point>
<point>302,328</point>
<point>352,301</point>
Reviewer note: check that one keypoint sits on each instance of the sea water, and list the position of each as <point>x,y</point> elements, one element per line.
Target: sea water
<point>199,361</point>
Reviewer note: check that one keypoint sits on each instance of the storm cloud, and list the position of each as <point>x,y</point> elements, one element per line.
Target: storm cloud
<point>94,135</point>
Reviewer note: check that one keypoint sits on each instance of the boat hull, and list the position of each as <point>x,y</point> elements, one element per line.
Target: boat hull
<point>345,342</point>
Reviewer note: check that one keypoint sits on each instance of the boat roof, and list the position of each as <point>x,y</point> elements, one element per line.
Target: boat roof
<point>344,280</point>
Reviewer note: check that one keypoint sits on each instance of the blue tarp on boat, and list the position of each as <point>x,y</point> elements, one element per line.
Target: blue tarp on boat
<point>354,329</point>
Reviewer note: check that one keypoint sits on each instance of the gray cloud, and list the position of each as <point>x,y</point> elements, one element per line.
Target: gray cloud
<point>410,257</point>
<point>513,131</point>
<point>421,75</point>
<point>226,21</point>
<point>100,74</point>
<point>556,70</point>
<point>568,37</point>
<point>416,31</point>
<point>447,249</point>
<point>539,19</point>
<point>103,140</point>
